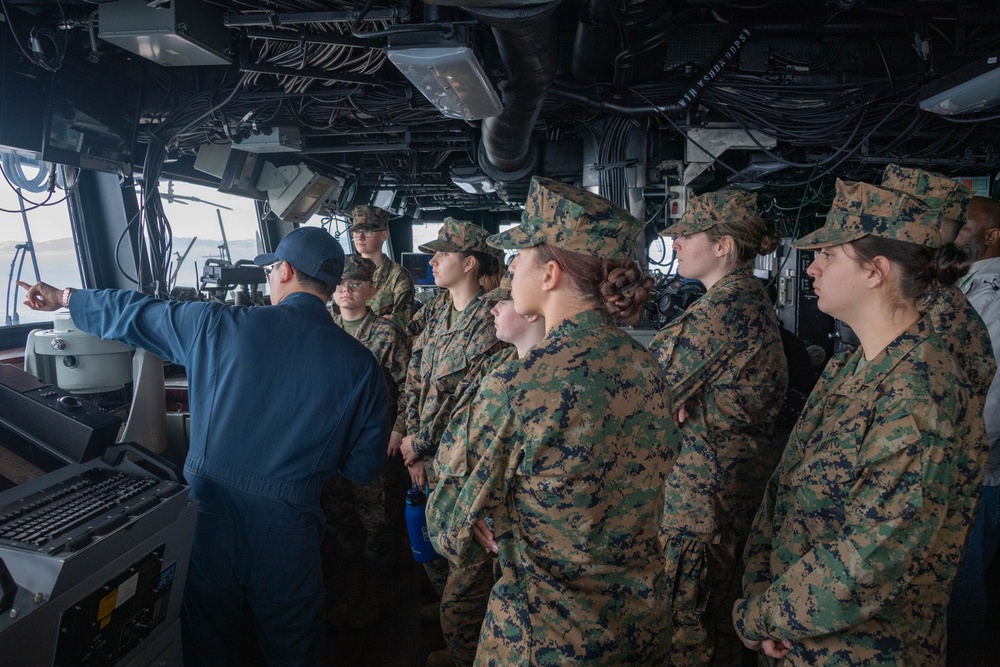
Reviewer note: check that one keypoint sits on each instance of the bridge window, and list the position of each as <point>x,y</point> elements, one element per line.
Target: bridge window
<point>36,242</point>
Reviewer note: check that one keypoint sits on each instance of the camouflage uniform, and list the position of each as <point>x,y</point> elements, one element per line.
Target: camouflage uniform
<point>393,293</point>
<point>362,518</point>
<point>393,285</point>
<point>724,360</point>
<point>470,580</point>
<point>445,364</point>
<point>443,357</point>
<point>575,451</point>
<point>427,312</point>
<point>962,329</point>
<point>467,590</point>
<point>854,549</point>
<point>967,336</point>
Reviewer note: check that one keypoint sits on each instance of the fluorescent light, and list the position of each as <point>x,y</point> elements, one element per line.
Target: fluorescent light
<point>973,88</point>
<point>451,78</point>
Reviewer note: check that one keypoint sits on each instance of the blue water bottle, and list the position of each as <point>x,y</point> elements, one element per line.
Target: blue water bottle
<point>416,526</point>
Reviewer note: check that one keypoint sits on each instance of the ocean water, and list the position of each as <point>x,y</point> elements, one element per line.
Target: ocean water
<point>58,266</point>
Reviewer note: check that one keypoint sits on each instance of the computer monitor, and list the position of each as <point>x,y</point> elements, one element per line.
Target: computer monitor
<point>417,264</point>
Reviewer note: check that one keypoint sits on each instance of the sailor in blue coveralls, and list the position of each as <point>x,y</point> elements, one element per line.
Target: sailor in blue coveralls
<point>281,399</point>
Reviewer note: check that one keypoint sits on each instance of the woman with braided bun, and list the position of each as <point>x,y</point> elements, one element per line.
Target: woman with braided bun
<point>726,369</point>
<point>574,450</point>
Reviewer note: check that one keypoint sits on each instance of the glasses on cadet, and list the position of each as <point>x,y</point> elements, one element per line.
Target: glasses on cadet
<point>363,233</point>
<point>269,268</point>
<point>353,286</point>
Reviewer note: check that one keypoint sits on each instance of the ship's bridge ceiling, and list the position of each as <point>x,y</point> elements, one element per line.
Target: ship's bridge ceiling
<point>453,105</point>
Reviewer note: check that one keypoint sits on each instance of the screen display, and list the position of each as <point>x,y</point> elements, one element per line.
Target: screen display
<point>417,265</point>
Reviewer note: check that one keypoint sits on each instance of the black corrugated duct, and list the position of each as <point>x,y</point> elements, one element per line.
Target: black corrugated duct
<point>527,39</point>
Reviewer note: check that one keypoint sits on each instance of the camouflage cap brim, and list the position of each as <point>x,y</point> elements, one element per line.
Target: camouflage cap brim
<point>367,218</point>
<point>687,228</point>
<point>712,208</point>
<point>600,241</point>
<point>437,245</point>
<point>524,235</point>
<point>458,236</point>
<point>357,267</point>
<point>828,235</point>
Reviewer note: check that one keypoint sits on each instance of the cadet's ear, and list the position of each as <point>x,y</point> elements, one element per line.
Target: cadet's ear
<point>552,273</point>
<point>725,246</point>
<point>469,263</point>
<point>878,271</point>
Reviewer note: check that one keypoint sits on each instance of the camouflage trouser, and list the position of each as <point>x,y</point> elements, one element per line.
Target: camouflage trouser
<point>356,519</point>
<point>463,608</point>
<point>705,579</point>
<point>437,573</point>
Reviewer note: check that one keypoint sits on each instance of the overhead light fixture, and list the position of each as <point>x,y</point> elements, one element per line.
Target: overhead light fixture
<point>973,88</point>
<point>295,192</point>
<point>450,76</point>
<point>472,181</point>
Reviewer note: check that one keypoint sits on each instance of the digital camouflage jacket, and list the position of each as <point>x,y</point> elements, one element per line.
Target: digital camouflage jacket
<point>427,312</point>
<point>578,442</point>
<point>457,456</point>
<point>722,358</point>
<point>393,293</point>
<point>392,349</point>
<point>441,359</point>
<point>966,336</point>
<point>862,528</point>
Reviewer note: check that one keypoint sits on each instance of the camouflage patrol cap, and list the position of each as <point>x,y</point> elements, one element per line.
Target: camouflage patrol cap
<point>502,292</point>
<point>938,191</point>
<point>369,218</point>
<point>707,210</point>
<point>950,197</point>
<point>458,236</point>
<point>358,268</point>
<point>574,220</point>
<point>860,209</point>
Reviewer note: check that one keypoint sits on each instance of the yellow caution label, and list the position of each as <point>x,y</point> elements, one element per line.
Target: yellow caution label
<point>108,604</point>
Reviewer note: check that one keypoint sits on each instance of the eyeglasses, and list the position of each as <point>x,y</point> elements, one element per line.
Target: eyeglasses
<point>364,233</point>
<point>269,268</point>
<point>353,286</point>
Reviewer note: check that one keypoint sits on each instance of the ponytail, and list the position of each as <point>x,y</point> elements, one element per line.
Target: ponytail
<point>924,272</point>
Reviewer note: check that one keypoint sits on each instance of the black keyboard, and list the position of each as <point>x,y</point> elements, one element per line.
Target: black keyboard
<point>71,513</point>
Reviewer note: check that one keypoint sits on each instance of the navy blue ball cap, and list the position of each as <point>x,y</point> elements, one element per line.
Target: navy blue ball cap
<point>307,248</point>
